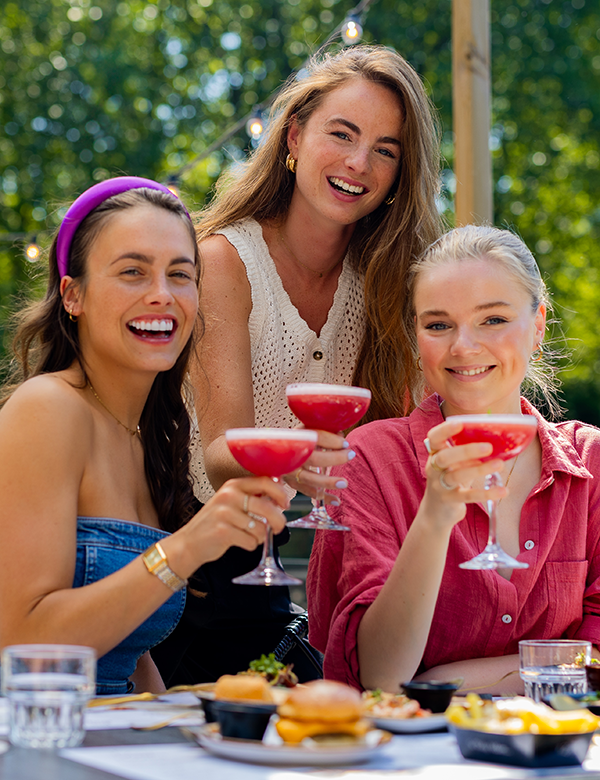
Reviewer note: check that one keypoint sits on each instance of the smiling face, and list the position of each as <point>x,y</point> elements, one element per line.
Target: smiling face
<point>476,329</point>
<point>137,307</point>
<point>348,152</point>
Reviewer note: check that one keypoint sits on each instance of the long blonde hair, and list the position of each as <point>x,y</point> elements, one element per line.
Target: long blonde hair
<point>385,241</point>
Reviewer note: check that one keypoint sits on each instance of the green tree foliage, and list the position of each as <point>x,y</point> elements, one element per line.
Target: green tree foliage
<point>94,88</point>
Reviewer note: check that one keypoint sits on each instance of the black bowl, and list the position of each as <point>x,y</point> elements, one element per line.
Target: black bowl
<point>206,702</point>
<point>241,720</point>
<point>531,750</point>
<point>434,696</point>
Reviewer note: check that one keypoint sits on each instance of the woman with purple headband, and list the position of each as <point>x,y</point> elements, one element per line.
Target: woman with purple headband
<point>97,506</point>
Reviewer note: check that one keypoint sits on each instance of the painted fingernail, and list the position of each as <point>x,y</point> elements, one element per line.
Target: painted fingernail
<point>351,455</point>
<point>335,503</point>
<point>346,444</point>
<point>341,483</point>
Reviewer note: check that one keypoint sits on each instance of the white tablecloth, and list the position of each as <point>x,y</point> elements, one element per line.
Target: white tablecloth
<point>426,757</point>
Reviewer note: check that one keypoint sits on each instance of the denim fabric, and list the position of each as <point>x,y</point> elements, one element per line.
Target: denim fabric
<point>105,545</point>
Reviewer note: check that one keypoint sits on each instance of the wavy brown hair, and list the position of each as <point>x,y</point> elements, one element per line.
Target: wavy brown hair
<point>46,340</point>
<point>385,241</point>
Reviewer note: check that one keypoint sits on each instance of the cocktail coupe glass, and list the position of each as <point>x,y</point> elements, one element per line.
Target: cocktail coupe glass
<point>327,408</point>
<point>269,452</point>
<point>509,434</point>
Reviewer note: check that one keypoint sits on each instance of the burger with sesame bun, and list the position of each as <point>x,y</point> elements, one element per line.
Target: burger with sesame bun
<point>320,708</point>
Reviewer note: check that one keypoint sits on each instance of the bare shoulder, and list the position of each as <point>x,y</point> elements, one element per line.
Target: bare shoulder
<point>225,289</point>
<point>49,402</point>
<point>216,251</point>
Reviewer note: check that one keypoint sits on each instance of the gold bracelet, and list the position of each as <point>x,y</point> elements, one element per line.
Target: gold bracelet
<point>156,562</point>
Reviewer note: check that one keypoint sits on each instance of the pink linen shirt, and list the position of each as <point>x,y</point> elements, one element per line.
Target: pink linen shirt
<point>478,613</point>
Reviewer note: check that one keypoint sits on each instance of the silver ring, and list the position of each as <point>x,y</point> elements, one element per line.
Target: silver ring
<point>251,524</point>
<point>246,502</point>
<point>443,482</point>
<point>258,518</point>
<point>427,444</point>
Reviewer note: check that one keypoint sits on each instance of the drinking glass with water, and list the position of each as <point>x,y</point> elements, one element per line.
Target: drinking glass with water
<point>549,666</point>
<point>47,687</point>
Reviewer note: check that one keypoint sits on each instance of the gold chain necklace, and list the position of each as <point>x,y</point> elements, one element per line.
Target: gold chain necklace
<point>137,431</point>
<point>510,474</point>
<point>320,274</point>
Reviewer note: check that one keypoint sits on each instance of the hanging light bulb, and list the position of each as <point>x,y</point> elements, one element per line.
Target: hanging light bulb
<point>352,30</point>
<point>173,185</point>
<point>32,251</point>
<point>255,126</point>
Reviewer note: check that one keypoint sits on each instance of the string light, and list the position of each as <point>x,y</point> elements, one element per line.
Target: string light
<point>32,251</point>
<point>352,30</point>
<point>172,184</point>
<point>255,126</point>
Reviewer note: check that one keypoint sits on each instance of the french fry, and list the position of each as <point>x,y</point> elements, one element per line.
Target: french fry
<point>519,716</point>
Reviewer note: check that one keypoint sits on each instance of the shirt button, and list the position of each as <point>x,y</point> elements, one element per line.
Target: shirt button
<point>318,355</point>
<point>506,619</point>
<point>529,544</point>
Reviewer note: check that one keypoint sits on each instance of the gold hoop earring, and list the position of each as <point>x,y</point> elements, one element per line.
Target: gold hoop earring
<point>290,163</point>
<point>390,199</point>
<point>537,354</point>
<point>419,364</point>
<point>71,317</point>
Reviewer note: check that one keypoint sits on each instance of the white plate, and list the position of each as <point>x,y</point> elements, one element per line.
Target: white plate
<point>410,725</point>
<point>276,753</point>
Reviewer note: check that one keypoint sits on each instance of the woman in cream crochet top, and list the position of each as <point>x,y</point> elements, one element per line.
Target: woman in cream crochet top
<point>304,258</point>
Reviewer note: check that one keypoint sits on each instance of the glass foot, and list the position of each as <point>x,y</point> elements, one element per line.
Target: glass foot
<point>266,574</point>
<point>318,518</point>
<point>493,557</point>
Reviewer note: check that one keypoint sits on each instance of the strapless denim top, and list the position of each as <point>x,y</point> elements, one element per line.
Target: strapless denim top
<point>105,545</point>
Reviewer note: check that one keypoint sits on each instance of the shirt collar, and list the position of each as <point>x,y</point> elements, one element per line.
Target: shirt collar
<point>558,453</point>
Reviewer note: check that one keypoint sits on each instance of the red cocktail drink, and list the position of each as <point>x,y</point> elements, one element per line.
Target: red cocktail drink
<point>327,408</point>
<point>269,452</point>
<point>509,435</point>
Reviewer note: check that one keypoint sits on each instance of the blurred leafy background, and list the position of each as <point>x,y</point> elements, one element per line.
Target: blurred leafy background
<point>96,88</point>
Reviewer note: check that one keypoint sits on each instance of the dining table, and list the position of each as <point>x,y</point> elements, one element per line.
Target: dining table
<point>130,741</point>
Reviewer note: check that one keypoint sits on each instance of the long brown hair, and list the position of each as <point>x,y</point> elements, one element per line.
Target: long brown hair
<point>385,241</point>
<point>46,340</point>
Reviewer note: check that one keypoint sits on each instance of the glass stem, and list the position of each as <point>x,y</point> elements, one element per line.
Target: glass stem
<point>268,554</point>
<point>268,557</point>
<point>319,499</point>
<point>492,480</point>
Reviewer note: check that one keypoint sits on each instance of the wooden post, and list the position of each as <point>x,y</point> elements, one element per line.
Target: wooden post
<point>471,111</point>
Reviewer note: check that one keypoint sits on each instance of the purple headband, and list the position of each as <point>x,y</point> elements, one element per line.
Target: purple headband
<point>87,202</point>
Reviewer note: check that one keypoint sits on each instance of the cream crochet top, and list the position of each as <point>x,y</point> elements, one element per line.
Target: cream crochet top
<point>284,348</point>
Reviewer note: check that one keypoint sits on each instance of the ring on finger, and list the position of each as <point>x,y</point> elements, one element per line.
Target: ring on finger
<point>297,475</point>
<point>443,482</point>
<point>246,502</point>
<point>434,463</point>
<point>251,524</point>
